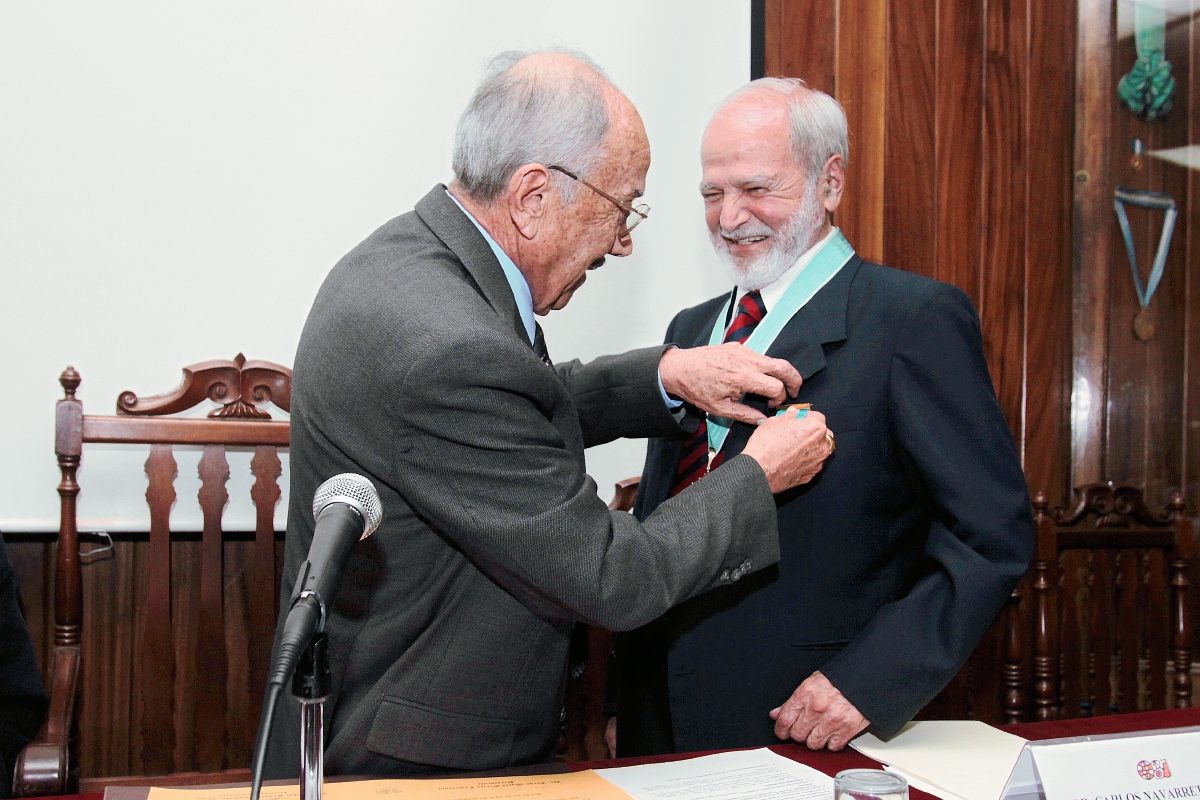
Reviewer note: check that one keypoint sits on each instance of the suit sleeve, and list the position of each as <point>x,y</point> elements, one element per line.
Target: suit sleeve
<point>963,464</point>
<point>478,456</point>
<point>619,396</point>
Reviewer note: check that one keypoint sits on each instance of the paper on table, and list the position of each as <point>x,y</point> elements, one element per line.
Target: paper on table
<point>925,786</point>
<point>963,757</point>
<point>564,786</point>
<point>742,775</point>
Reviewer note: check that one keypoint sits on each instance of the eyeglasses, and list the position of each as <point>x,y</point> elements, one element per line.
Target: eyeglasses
<point>634,212</point>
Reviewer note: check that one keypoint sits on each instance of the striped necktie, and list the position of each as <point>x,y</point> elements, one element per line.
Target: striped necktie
<point>693,458</point>
<point>539,346</point>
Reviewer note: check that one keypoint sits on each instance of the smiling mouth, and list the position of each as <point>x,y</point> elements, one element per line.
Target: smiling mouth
<point>744,239</point>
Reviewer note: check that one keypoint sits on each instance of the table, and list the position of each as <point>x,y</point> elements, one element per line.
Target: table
<point>832,763</point>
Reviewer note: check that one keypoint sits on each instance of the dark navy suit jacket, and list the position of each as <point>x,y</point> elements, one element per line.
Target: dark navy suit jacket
<point>894,560</point>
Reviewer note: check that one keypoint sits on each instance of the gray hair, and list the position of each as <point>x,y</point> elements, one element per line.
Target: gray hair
<point>521,118</point>
<point>817,122</point>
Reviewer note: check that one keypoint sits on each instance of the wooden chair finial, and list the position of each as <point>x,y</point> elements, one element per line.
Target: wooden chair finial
<point>70,381</point>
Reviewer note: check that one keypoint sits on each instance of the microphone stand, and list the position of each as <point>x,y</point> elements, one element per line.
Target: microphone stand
<point>311,686</point>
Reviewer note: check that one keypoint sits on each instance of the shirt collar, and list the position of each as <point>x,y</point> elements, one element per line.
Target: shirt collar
<point>771,293</point>
<point>516,281</point>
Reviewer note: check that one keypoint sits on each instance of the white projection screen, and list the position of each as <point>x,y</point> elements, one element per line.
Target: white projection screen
<point>176,179</point>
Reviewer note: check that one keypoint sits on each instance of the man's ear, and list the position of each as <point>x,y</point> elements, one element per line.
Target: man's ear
<point>834,178</point>
<point>528,197</point>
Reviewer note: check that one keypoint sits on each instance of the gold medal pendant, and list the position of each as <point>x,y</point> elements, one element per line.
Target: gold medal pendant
<point>1143,326</point>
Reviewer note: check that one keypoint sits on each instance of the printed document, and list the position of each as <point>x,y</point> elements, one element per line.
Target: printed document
<point>742,775</point>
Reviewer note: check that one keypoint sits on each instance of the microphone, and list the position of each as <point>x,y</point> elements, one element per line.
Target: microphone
<point>347,509</point>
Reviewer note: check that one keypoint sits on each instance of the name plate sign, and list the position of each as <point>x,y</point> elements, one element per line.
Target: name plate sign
<point>1148,765</point>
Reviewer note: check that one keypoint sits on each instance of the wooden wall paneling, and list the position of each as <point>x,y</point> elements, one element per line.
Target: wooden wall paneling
<point>806,44</point>
<point>141,604</point>
<point>959,145</point>
<point>1166,352</point>
<point>1146,379</point>
<point>772,36</point>
<point>185,619</point>
<point>1129,401</point>
<point>240,720</point>
<point>1002,292</point>
<point>910,189</point>
<point>97,660</point>
<point>1092,242</point>
<point>1190,220</point>
<point>1046,443</point>
<point>861,83</point>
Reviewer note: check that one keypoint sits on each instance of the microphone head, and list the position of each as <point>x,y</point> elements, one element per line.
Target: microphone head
<point>356,492</point>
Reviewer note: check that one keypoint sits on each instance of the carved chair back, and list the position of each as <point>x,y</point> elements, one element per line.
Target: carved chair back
<point>241,388</point>
<point>1110,604</point>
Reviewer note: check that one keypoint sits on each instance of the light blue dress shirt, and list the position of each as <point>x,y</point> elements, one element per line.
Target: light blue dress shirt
<point>520,287</point>
<point>521,293</point>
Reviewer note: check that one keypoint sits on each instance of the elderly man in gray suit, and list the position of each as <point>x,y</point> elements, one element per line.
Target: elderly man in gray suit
<point>422,368</point>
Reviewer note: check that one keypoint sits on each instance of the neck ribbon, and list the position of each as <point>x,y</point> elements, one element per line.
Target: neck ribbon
<point>825,263</point>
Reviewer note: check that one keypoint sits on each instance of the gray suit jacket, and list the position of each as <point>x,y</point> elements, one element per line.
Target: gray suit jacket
<point>449,635</point>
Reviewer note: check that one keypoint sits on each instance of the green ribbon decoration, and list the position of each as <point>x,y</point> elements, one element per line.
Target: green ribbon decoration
<point>1149,88</point>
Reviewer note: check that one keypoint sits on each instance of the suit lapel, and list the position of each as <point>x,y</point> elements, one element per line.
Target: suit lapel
<point>704,333</point>
<point>457,232</point>
<point>821,321</point>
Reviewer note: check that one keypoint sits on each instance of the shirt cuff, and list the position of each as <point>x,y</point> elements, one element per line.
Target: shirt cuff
<point>671,402</point>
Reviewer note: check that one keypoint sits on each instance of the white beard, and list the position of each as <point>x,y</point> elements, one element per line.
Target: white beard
<point>800,232</point>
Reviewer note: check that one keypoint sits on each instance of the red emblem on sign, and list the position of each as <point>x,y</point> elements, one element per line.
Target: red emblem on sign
<point>1151,770</point>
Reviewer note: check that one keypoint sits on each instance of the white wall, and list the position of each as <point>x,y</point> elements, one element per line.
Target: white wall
<point>176,179</point>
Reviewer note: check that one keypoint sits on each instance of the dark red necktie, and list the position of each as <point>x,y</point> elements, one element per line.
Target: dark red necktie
<point>693,459</point>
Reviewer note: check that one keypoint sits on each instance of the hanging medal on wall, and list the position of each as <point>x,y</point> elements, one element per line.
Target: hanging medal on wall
<point>1143,327</point>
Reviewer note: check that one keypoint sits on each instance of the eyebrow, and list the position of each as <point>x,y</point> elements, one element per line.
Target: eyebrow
<point>756,178</point>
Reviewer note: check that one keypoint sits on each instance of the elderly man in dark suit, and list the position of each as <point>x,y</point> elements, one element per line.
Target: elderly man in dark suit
<point>897,557</point>
<point>421,367</point>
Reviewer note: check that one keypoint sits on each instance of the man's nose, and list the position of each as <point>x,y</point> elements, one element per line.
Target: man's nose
<point>622,245</point>
<point>733,213</point>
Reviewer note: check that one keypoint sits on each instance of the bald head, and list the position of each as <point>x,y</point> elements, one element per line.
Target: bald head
<point>550,107</point>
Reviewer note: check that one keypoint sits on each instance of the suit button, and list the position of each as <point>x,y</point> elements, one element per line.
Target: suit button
<point>724,576</point>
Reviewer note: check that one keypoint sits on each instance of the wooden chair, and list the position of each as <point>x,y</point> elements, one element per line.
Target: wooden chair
<point>1110,604</point>
<point>50,765</point>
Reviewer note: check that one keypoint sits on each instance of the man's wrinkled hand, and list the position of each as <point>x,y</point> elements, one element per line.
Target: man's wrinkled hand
<point>818,715</point>
<point>791,450</point>
<point>714,378</point>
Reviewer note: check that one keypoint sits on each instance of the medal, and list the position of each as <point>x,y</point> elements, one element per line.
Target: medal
<point>1143,326</point>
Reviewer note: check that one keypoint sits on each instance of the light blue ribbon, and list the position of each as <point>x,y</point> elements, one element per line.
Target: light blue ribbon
<point>825,263</point>
<point>1151,200</point>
